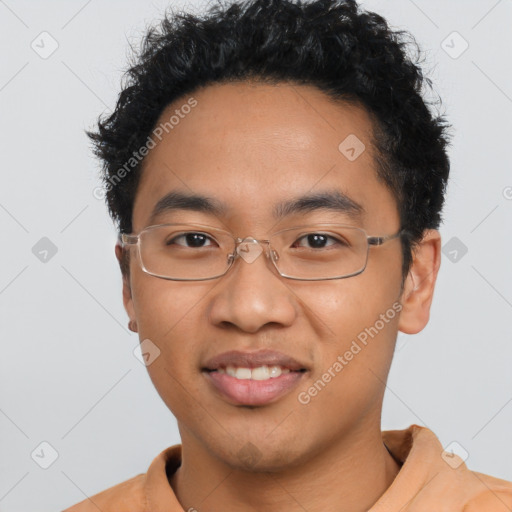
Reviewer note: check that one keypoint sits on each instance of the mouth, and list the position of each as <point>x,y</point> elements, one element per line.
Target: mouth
<point>258,378</point>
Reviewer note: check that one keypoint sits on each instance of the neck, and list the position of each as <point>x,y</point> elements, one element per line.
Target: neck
<point>356,470</point>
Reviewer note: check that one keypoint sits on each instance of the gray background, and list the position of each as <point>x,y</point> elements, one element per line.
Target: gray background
<point>68,373</point>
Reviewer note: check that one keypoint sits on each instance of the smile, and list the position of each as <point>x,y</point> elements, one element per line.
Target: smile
<point>263,372</point>
<point>253,386</point>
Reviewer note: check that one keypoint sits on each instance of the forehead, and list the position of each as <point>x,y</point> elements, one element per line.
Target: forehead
<point>253,145</point>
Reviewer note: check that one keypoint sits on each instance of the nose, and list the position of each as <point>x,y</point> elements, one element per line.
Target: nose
<point>252,294</point>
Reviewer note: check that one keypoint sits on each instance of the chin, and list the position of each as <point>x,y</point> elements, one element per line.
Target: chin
<point>259,456</point>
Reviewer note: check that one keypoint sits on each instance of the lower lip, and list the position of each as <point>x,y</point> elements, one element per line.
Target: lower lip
<point>253,392</point>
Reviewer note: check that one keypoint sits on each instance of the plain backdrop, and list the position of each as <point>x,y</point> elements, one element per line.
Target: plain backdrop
<point>73,394</point>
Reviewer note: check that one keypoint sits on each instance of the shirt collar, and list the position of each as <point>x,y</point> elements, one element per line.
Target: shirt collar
<point>429,477</point>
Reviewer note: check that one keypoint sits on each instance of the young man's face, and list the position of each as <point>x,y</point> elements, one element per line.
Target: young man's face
<point>250,147</point>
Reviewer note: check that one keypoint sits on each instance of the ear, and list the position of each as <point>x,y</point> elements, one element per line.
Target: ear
<point>122,258</point>
<point>419,283</point>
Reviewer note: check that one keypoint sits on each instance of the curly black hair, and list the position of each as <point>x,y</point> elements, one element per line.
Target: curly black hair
<point>350,54</point>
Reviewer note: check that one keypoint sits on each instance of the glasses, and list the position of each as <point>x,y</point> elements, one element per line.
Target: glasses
<point>196,252</point>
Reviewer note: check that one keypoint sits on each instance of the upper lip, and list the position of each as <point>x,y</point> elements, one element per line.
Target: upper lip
<point>253,360</point>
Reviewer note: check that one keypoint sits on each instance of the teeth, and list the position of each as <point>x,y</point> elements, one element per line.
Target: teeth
<point>243,373</point>
<point>259,373</point>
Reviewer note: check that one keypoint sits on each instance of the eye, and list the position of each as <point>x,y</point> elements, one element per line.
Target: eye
<point>318,240</point>
<point>190,240</point>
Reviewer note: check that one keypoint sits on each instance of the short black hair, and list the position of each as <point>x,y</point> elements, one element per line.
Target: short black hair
<point>350,54</point>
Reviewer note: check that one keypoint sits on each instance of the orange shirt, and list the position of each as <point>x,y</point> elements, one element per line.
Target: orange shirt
<point>425,482</point>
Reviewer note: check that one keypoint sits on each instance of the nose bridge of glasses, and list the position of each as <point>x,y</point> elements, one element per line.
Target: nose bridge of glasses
<point>249,248</point>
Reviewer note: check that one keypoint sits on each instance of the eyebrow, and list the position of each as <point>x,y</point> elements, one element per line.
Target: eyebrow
<point>330,200</point>
<point>180,201</point>
<point>333,200</point>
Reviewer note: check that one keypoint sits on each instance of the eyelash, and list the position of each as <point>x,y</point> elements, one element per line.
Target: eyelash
<point>329,237</point>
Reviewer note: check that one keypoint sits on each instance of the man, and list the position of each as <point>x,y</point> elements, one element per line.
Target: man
<point>277,181</point>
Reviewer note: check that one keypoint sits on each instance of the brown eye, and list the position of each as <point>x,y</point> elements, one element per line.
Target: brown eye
<point>192,240</point>
<point>317,241</point>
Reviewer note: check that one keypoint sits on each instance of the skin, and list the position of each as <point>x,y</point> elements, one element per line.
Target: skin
<point>250,146</point>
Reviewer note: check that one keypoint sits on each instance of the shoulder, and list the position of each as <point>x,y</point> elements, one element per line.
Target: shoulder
<point>128,495</point>
<point>137,493</point>
<point>490,494</point>
<point>432,479</point>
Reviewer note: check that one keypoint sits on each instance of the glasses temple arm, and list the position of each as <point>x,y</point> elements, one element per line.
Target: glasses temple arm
<point>379,240</point>
<point>126,239</point>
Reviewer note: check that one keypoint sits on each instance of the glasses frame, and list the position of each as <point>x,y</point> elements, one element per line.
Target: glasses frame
<point>133,240</point>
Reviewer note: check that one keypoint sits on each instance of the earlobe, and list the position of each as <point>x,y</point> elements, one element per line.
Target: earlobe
<point>127,292</point>
<point>420,283</point>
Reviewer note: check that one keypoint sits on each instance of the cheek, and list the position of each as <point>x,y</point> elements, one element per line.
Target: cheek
<point>164,308</point>
<point>168,313</point>
<point>168,316</point>
<point>353,362</point>
<point>359,322</point>
<point>343,309</point>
